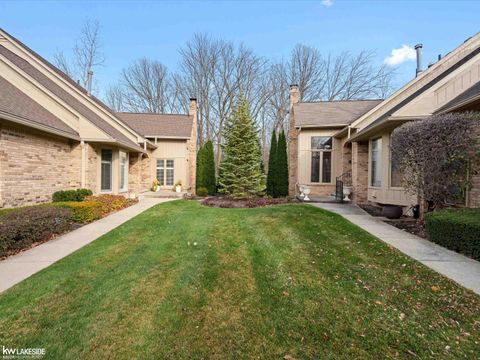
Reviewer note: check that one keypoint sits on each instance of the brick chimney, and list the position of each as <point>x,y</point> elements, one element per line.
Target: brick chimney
<point>292,141</point>
<point>192,147</point>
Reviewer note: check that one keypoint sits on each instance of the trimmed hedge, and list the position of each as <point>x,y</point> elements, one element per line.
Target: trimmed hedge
<point>25,226</point>
<point>71,195</point>
<point>82,212</point>
<point>457,230</point>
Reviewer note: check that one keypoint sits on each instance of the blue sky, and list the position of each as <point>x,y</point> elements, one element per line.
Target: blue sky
<point>157,29</point>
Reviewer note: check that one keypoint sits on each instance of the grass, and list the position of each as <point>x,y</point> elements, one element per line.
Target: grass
<point>259,283</point>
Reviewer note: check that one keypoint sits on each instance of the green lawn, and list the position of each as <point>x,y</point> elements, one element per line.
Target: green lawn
<point>259,283</point>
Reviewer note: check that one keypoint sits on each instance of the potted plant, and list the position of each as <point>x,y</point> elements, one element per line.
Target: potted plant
<point>178,186</point>
<point>155,185</point>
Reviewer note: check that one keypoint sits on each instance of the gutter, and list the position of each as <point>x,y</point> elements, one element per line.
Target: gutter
<point>30,123</point>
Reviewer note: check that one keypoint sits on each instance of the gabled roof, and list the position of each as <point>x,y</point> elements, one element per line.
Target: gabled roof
<point>415,87</point>
<point>331,113</point>
<point>159,125</point>
<point>15,103</point>
<point>468,96</point>
<point>29,69</point>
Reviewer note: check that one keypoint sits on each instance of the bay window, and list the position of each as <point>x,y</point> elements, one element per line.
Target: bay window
<point>321,159</point>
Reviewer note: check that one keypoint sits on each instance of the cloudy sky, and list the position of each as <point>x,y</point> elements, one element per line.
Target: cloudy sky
<point>131,30</point>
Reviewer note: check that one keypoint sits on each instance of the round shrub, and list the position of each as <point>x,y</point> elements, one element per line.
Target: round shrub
<point>202,191</point>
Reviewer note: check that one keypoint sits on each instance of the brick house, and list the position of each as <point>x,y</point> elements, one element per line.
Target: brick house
<point>56,136</point>
<point>349,140</point>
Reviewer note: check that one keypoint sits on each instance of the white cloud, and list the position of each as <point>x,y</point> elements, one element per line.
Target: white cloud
<point>327,3</point>
<point>400,55</point>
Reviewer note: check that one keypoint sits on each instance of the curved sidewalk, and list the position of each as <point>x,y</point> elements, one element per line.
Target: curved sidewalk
<point>459,268</point>
<point>19,267</point>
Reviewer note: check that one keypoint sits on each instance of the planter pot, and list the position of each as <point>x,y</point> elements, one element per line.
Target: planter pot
<point>178,189</point>
<point>392,211</point>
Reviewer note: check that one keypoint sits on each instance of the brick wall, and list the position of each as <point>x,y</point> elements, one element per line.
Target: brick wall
<point>34,165</point>
<point>360,172</point>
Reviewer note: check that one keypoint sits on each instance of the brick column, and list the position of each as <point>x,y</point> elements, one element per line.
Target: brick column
<point>192,147</point>
<point>292,142</point>
<point>360,172</point>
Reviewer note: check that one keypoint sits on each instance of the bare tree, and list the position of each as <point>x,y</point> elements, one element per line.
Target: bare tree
<point>87,53</point>
<point>146,87</point>
<point>115,98</point>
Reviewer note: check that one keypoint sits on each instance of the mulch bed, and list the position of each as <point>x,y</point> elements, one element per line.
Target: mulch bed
<point>226,202</point>
<point>410,225</point>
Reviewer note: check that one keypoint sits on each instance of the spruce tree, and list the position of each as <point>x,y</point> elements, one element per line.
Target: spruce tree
<point>272,165</point>
<point>210,182</point>
<point>281,182</point>
<point>241,174</point>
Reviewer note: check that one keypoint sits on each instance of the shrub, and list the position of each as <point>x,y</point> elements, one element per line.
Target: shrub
<point>21,228</point>
<point>436,155</point>
<point>71,195</point>
<point>110,203</point>
<point>84,211</point>
<point>272,165</point>
<point>202,191</point>
<point>457,230</point>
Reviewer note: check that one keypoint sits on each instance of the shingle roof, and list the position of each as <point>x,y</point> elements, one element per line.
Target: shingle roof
<point>65,96</point>
<point>471,93</point>
<point>15,102</point>
<point>331,113</point>
<point>159,125</point>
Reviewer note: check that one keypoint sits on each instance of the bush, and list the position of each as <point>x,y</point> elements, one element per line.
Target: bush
<point>84,211</point>
<point>71,195</point>
<point>21,228</point>
<point>110,203</point>
<point>202,191</point>
<point>457,230</point>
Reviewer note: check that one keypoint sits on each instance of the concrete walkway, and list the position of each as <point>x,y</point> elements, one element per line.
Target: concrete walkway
<point>19,267</point>
<point>459,268</point>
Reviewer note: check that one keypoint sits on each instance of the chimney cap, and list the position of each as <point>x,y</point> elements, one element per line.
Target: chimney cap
<point>293,86</point>
<point>418,46</point>
<point>193,99</point>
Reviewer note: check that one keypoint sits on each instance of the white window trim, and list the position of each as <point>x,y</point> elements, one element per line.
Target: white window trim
<point>379,162</point>
<point>111,172</point>
<point>125,170</point>
<point>320,170</point>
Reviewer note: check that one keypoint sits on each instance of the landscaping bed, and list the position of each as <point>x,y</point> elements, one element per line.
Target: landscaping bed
<point>25,227</point>
<point>185,281</point>
<point>226,202</point>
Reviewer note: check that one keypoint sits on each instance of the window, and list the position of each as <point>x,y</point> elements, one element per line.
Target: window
<point>395,173</point>
<point>169,173</point>
<point>376,158</point>
<point>321,159</point>
<point>123,171</point>
<point>106,170</point>
<point>165,172</point>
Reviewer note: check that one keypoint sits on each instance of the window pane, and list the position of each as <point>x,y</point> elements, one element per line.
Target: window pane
<point>315,168</point>
<point>160,172</point>
<point>327,167</point>
<point>395,174</point>
<point>106,170</point>
<point>123,170</point>
<point>376,163</point>
<point>321,143</point>
<point>170,174</point>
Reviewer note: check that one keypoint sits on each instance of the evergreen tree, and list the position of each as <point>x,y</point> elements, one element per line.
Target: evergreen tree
<point>210,182</point>
<point>241,172</point>
<point>272,165</point>
<point>200,174</point>
<point>281,182</point>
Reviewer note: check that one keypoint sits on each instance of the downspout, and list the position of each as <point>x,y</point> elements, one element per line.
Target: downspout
<point>84,164</point>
